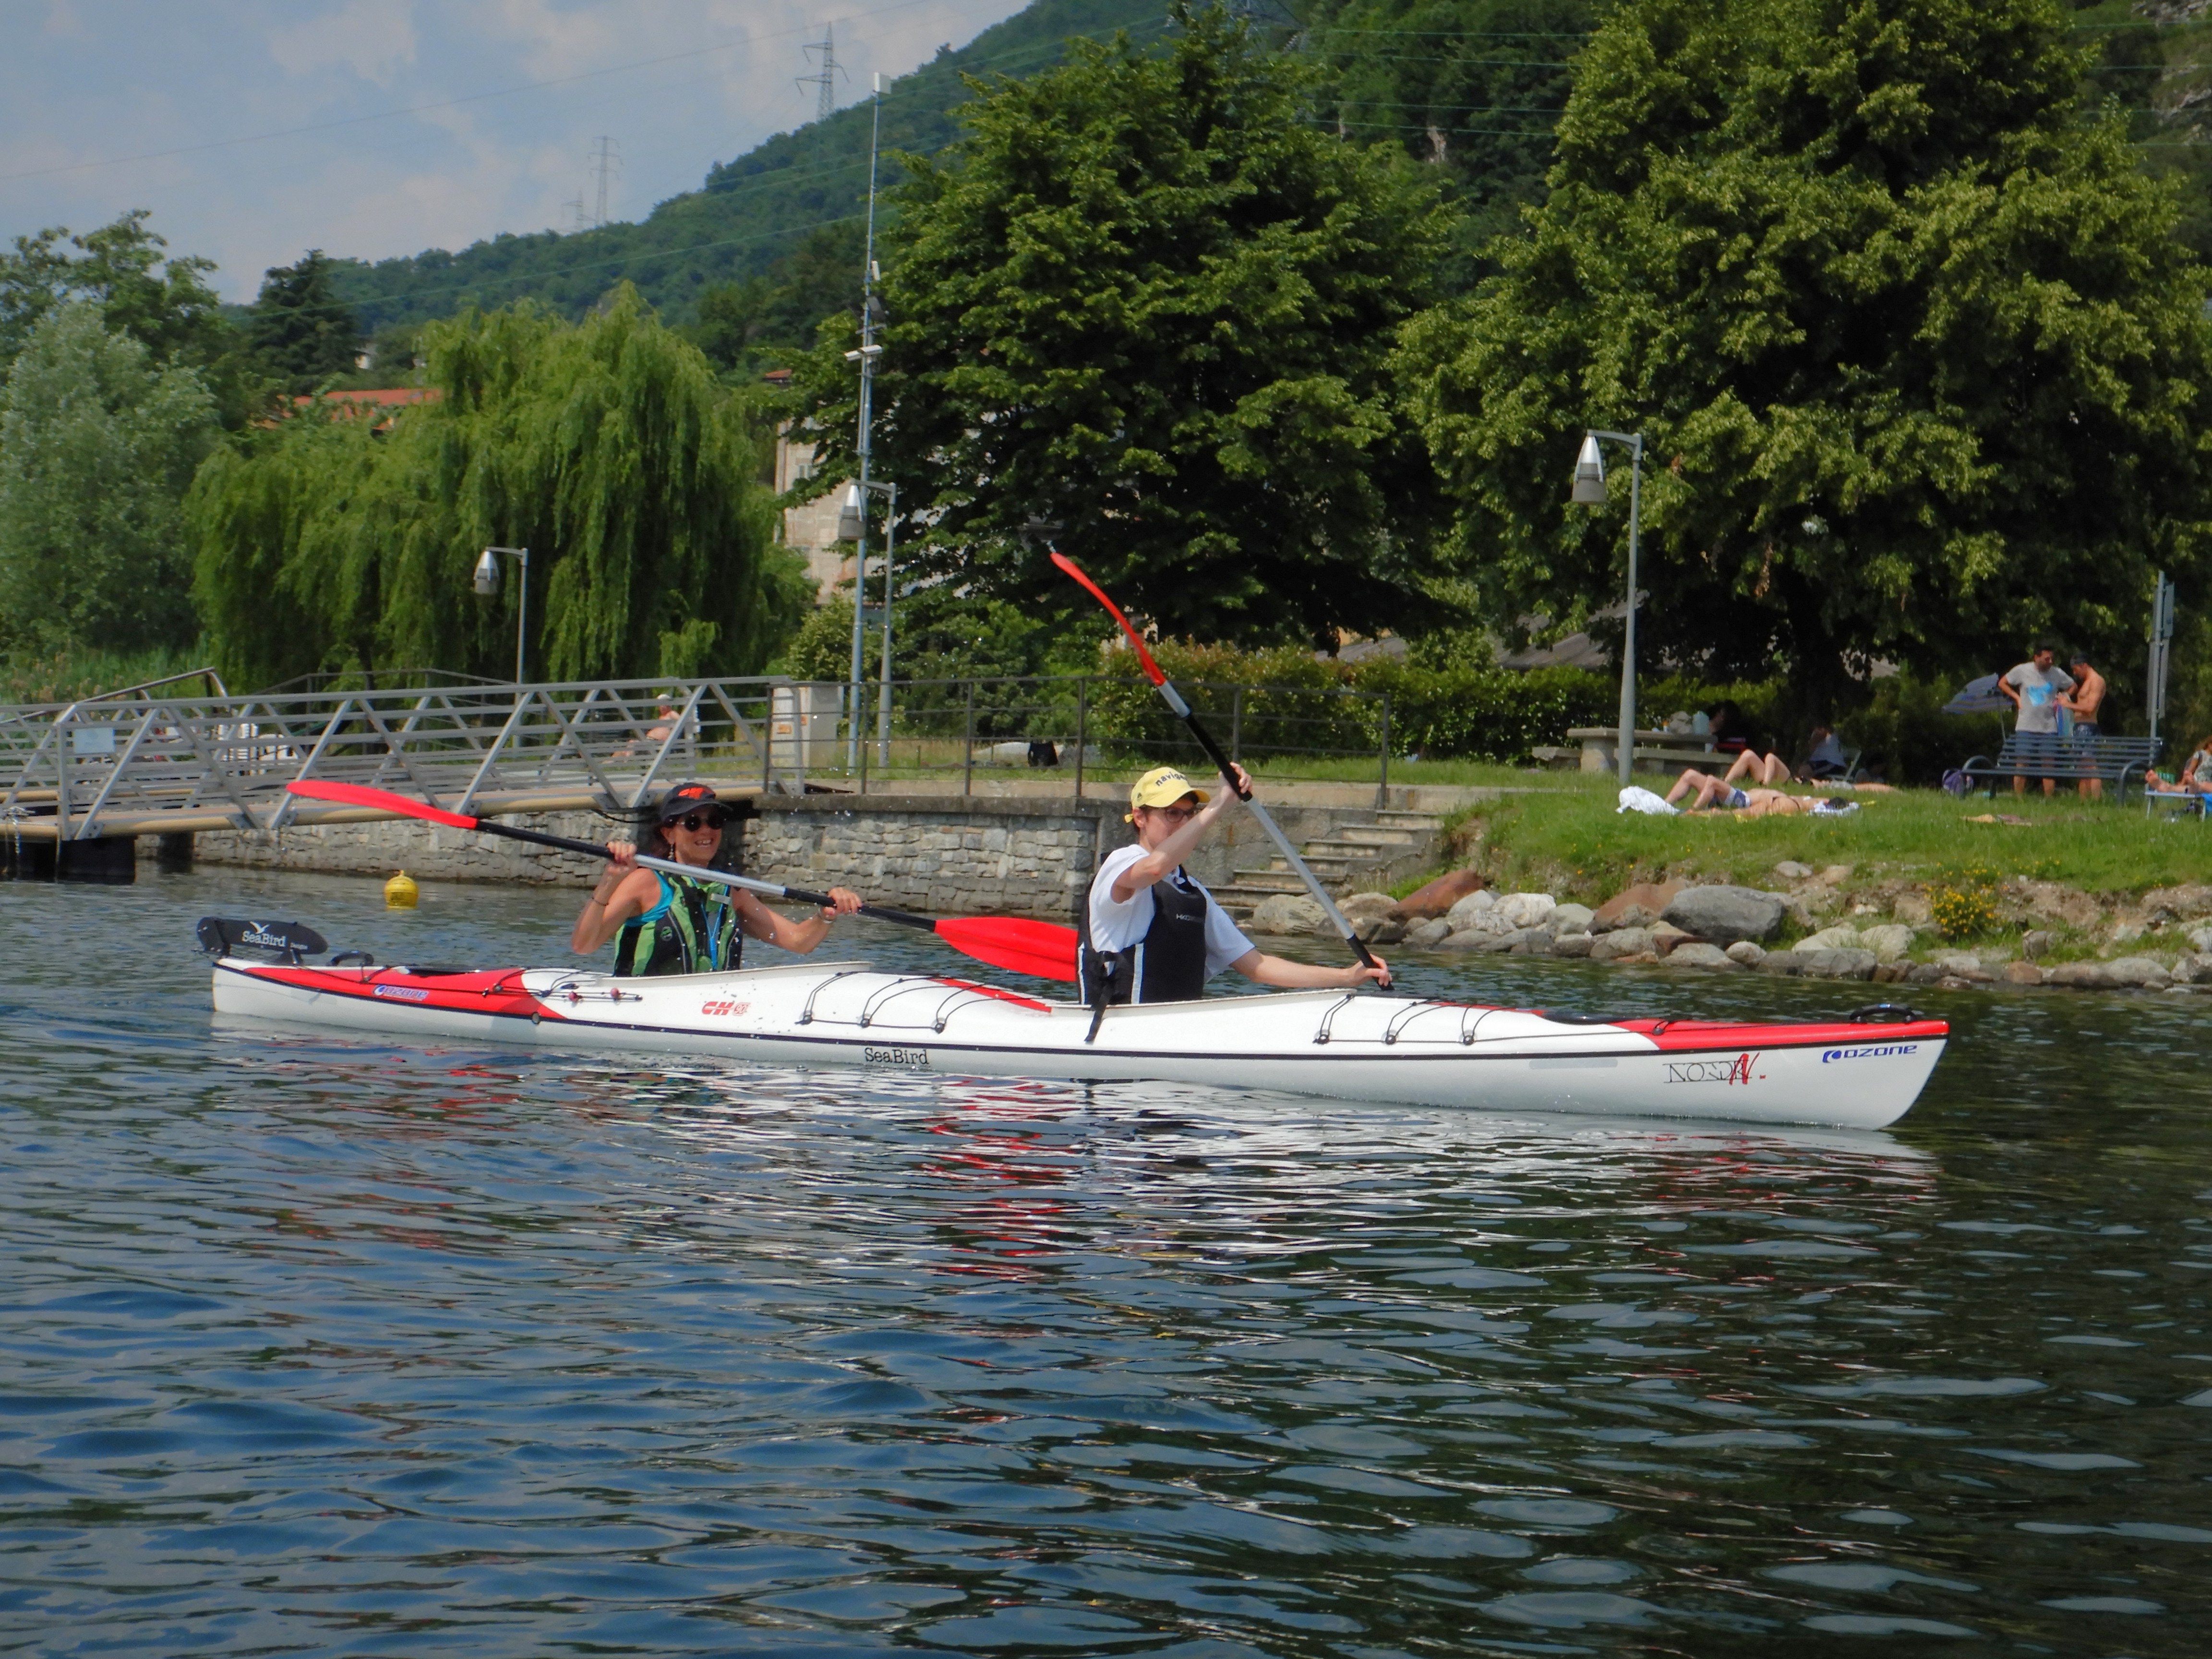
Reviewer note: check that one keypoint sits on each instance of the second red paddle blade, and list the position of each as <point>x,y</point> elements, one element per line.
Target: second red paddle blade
<point>1021,946</point>
<point>382,800</point>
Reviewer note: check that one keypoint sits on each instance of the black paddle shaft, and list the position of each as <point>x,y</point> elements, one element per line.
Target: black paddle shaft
<point>592,849</point>
<point>1228,770</point>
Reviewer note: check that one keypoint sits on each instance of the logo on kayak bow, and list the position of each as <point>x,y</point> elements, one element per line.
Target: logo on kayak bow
<point>724,1007</point>
<point>1712,1070</point>
<point>404,992</point>
<point>1880,1051</point>
<point>913,1059</point>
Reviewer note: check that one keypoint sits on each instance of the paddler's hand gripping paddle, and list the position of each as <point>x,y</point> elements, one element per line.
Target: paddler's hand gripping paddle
<point>1013,943</point>
<point>1173,699</point>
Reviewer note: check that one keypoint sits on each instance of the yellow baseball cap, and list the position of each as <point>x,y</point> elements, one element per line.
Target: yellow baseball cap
<point>1163,786</point>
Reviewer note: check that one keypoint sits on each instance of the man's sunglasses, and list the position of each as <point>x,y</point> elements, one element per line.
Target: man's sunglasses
<point>1180,814</point>
<point>695,822</point>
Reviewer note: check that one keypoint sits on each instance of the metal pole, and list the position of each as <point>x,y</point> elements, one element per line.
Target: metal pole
<point>968,748</point>
<point>1082,718</point>
<point>1236,723</point>
<point>866,419</point>
<point>1628,629</point>
<point>1382,787</point>
<point>884,700</point>
<point>522,615</point>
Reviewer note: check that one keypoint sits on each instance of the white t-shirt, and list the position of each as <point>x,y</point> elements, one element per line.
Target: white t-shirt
<point>1117,926</point>
<point>2038,690</point>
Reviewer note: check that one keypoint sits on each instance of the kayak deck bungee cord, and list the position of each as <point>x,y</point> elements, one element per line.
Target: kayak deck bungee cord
<point>1861,1072</point>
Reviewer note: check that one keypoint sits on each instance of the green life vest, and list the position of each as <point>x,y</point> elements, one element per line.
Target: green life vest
<point>694,929</point>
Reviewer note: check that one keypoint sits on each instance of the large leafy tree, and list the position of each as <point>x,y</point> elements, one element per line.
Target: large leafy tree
<point>1146,299</point>
<point>301,332</point>
<point>98,441</point>
<point>1921,366</point>
<point>606,447</point>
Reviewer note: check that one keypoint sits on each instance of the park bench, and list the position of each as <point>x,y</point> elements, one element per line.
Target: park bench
<point>2071,760</point>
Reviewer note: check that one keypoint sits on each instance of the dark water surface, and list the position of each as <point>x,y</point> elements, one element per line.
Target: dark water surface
<point>312,1346</point>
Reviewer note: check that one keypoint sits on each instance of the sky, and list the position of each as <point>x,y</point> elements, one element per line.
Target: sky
<point>256,129</point>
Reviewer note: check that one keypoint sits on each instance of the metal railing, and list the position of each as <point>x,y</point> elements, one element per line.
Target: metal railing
<point>140,761</point>
<point>121,764</point>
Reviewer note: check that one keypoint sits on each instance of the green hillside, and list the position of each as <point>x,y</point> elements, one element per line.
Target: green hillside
<point>750,211</point>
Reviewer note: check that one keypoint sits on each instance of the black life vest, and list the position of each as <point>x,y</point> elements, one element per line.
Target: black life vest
<point>1167,965</point>
<point>695,929</point>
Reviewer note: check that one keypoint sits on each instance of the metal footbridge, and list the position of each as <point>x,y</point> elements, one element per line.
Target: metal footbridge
<point>183,755</point>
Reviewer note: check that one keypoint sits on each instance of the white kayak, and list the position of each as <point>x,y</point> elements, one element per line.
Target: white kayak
<point>1859,1072</point>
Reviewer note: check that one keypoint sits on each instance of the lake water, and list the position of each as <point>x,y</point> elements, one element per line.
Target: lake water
<point>321,1347</point>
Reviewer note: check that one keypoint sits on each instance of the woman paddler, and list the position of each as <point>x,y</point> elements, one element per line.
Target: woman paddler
<point>669,924</point>
<point>1152,934</point>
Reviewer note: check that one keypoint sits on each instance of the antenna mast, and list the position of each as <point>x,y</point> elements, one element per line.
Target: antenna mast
<point>604,159</point>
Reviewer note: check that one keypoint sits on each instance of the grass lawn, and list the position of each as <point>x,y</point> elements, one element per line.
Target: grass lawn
<point>1569,841</point>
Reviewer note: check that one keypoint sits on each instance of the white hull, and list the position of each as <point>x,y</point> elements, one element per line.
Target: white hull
<point>1314,1043</point>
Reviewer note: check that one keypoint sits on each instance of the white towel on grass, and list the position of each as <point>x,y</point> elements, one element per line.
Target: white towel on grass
<point>1637,798</point>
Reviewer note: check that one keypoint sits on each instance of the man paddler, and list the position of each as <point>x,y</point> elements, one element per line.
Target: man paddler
<point>672,924</point>
<point>1152,934</point>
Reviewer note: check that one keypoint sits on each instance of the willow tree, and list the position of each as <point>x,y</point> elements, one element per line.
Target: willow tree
<point>606,448</point>
<point>1921,366</point>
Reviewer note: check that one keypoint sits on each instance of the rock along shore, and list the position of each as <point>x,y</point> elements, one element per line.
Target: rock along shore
<point>1816,925</point>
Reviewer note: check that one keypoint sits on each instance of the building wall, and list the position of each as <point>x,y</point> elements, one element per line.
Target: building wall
<point>810,530</point>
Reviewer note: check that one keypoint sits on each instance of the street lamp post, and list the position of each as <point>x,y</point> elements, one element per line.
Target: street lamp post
<point>854,510</point>
<point>1590,491</point>
<point>488,584</point>
<point>851,526</point>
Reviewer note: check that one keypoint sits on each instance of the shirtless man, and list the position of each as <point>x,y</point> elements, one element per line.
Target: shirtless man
<point>2088,696</point>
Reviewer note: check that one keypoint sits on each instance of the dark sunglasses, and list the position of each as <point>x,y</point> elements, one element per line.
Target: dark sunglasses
<point>695,822</point>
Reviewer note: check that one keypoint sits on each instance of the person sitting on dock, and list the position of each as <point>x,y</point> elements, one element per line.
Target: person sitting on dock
<point>1152,934</point>
<point>665,924</point>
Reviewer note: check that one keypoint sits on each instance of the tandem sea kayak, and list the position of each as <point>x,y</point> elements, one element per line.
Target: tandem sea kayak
<point>1863,1071</point>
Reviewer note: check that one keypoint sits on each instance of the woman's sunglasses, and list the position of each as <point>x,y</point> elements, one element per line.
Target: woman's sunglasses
<point>695,822</point>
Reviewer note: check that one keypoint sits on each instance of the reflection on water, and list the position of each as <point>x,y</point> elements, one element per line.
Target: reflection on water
<point>317,1345</point>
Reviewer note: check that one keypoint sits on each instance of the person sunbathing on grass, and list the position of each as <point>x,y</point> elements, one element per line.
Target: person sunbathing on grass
<point>1722,792</point>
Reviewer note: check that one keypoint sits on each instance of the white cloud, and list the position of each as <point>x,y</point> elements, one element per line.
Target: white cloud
<point>372,38</point>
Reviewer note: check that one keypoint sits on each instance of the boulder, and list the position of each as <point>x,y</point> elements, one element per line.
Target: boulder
<point>1495,944</point>
<point>1791,869</point>
<point>1527,909</point>
<point>1695,953</point>
<point>1465,940</point>
<point>2039,942</point>
<point>1787,963</point>
<point>1573,945</point>
<point>2080,975</point>
<point>1427,935</point>
<point>1620,942</point>
<point>1529,942</point>
<point>1891,972</point>
<point>2145,972</point>
<point>1923,973</point>
<point>1836,964</point>
<point>2183,903</point>
<point>1958,962</point>
<point>2193,969</point>
<point>1462,915</point>
<point>1377,930</point>
<point>1725,915</point>
<point>1571,919</point>
<point>1651,898</point>
<point>2201,940</point>
<point>1835,875</point>
<point>1913,909</point>
<point>2023,973</point>
<point>1438,898</point>
<point>1842,937</point>
<point>1287,913</point>
<point>1888,942</point>
<point>1745,952</point>
<point>1360,906</point>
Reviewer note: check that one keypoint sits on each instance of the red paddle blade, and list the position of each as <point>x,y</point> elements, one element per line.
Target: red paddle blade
<point>1014,943</point>
<point>381,800</point>
<point>1151,669</point>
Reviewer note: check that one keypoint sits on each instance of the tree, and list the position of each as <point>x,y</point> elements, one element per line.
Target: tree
<point>606,447</point>
<point>301,333</point>
<point>164,303</point>
<point>1146,299</point>
<point>97,444</point>
<point>1918,363</point>
<point>763,321</point>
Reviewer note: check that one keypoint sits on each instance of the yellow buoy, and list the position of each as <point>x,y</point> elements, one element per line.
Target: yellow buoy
<point>399,893</point>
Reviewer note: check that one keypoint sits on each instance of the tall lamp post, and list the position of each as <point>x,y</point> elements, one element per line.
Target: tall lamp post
<point>1590,491</point>
<point>853,527</point>
<point>872,318</point>
<point>488,585</point>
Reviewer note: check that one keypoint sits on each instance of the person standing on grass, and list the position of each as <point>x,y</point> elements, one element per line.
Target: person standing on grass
<point>2035,688</point>
<point>2085,699</point>
<point>1152,934</point>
